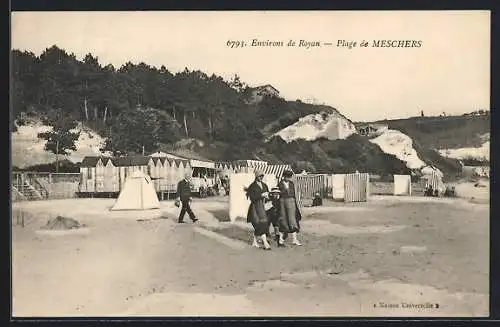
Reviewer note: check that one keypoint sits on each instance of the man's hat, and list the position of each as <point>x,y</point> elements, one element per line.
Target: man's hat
<point>275,190</point>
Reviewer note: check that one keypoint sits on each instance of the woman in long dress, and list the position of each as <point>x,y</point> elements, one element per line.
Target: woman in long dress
<point>290,215</point>
<point>258,193</point>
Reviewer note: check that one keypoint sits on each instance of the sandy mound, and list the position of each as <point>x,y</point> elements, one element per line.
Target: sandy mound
<point>62,223</point>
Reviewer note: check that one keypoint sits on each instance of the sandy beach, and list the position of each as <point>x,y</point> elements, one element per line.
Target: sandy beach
<point>390,256</point>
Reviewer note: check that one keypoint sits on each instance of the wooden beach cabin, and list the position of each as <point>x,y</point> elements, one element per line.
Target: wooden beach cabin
<point>168,173</point>
<point>98,175</point>
<point>157,174</point>
<point>164,169</point>
<point>127,165</point>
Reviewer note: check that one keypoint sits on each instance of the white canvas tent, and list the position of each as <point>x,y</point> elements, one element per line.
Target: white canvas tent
<point>402,185</point>
<point>138,194</point>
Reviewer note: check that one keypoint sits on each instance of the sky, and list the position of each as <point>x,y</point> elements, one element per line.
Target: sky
<point>449,72</point>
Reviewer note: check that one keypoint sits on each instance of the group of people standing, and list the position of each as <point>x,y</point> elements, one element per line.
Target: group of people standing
<point>277,207</point>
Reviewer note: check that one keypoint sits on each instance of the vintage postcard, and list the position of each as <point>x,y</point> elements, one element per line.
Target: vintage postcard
<point>250,163</point>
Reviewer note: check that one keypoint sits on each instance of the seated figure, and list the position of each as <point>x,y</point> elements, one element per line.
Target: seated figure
<point>317,200</point>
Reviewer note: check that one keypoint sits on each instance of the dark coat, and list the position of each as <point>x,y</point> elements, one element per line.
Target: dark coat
<point>274,213</point>
<point>287,192</point>
<point>290,192</point>
<point>256,211</point>
<point>183,190</point>
<point>317,202</point>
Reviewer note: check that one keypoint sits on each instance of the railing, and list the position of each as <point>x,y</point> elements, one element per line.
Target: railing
<point>37,186</point>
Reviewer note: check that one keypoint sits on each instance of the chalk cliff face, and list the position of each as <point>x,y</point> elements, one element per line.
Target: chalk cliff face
<point>28,149</point>
<point>400,145</point>
<point>329,125</point>
<point>479,153</point>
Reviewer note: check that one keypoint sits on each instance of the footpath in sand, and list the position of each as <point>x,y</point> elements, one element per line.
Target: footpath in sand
<point>391,256</point>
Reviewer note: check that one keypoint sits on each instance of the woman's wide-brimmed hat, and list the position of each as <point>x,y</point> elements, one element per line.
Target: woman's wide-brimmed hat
<point>258,173</point>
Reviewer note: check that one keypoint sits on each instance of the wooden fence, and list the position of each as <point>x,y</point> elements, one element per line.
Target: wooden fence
<point>308,185</point>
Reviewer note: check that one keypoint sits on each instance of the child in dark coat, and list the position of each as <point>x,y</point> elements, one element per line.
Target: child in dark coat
<point>274,214</point>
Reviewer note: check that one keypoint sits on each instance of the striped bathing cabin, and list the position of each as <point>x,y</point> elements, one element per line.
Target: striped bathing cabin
<point>308,185</point>
<point>435,180</point>
<point>108,175</point>
<point>356,187</point>
<point>178,168</point>
<point>156,169</point>
<point>98,174</point>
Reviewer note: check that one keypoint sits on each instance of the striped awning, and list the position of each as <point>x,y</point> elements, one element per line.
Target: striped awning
<point>276,170</point>
<point>258,166</point>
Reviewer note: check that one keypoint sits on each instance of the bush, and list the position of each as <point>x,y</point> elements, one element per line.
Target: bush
<point>470,161</point>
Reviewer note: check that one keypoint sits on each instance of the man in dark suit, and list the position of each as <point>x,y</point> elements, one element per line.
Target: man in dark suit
<point>184,196</point>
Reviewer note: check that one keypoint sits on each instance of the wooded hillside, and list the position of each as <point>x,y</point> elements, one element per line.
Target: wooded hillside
<point>138,107</point>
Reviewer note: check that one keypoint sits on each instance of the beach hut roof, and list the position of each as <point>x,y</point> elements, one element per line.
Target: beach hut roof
<point>91,161</point>
<point>179,162</point>
<point>131,161</point>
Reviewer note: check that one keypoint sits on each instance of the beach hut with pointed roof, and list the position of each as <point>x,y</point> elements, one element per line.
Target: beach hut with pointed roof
<point>92,174</point>
<point>181,169</point>
<point>157,176</point>
<point>127,165</point>
<point>164,168</point>
<point>152,172</point>
<point>111,183</point>
<point>172,174</point>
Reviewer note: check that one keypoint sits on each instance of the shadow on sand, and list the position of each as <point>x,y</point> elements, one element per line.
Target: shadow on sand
<point>220,214</point>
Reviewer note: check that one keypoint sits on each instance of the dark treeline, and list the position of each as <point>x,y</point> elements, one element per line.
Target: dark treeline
<point>137,105</point>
